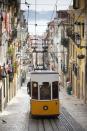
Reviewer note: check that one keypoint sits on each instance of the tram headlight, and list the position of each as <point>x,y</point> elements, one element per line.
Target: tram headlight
<point>35,85</point>
<point>45,107</point>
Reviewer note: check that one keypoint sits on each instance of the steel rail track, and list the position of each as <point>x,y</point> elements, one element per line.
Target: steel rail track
<point>61,123</point>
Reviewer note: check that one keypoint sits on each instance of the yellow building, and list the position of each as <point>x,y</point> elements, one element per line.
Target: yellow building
<point>78,52</point>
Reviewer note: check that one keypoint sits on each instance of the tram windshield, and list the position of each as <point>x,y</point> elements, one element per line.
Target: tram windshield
<point>55,89</point>
<point>45,91</point>
<point>34,90</point>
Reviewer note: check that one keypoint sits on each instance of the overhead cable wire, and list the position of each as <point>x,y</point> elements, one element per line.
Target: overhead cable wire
<point>35,17</point>
<point>80,12</point>
<point>66,24</point>
<point>51,51</point>
<point>79,16</point>
<point>45,4</point>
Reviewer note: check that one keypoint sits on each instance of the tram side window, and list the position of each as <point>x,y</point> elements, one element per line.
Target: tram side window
<point>55,89</point>
<point>34,90</point>
<point>45,91</point>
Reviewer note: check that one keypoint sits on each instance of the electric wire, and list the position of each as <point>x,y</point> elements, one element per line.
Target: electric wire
<point>51,16</point>
<point>39,51</point>
<point>79,16</point>
<point>82,11</point>
<point>35,13</point>
<point>67,24</point>
<point>28,19</point>
<point>44,4</point>
<point>35,17</point>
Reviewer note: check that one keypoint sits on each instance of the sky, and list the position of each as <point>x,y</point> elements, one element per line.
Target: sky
<point>43,6</point>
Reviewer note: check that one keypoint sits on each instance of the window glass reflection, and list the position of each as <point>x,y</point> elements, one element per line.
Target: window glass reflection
<point>45,91</point>
<point>55,89</point>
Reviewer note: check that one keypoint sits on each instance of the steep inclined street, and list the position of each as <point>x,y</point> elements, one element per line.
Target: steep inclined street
<point>43,65</point>
<point>16,116</point>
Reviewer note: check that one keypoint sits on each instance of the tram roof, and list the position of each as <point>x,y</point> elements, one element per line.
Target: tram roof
<point>44,76</point>
<point>44,72</point>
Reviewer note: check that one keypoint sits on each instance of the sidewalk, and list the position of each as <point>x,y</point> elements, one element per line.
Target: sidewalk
<point>76,108</point>
<point>15,116</point>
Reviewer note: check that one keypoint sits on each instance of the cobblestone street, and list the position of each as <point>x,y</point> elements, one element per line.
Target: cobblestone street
<point>43,65</point>
<point>16,116</point>
<point>75,107</point>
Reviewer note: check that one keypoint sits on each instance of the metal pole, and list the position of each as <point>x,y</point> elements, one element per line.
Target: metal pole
<point>27,4</point>
<point>28,19</point>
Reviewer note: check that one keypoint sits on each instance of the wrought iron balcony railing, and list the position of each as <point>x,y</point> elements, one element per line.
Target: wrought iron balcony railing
<point>65,42</point>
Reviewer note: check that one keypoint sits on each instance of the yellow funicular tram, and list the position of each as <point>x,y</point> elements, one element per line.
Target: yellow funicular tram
<point>44,92</point>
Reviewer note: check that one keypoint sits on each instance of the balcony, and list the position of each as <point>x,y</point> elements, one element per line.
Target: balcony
<point>45,46</point>
<point>69,32</point>
<point>65,42</point>
<point>64,68</point>
<point>75,36</point>
<point>34,46</point>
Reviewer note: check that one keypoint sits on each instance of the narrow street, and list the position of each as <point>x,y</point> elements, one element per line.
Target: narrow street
<point>16,117</point>
<point>43,53</point>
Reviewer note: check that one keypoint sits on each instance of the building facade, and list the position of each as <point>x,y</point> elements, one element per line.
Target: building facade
<point>77,34</point>
<point>9,13</point>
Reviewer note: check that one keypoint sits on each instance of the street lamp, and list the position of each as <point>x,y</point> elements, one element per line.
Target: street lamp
<point>81,56</point>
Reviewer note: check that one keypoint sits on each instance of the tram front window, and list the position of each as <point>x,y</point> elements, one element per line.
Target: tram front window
<point>45,91</point>
<point>34,90</point>
<point>55,89</point>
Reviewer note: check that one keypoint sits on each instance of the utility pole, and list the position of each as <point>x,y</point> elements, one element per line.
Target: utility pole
<point>28,5</point>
